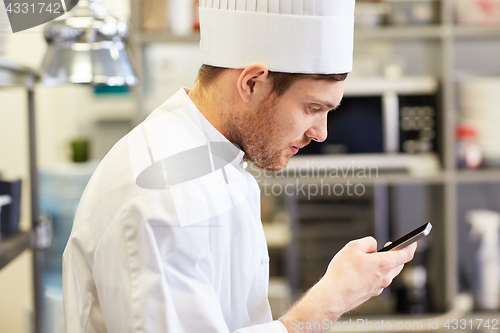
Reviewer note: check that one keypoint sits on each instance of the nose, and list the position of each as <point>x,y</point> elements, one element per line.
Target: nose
<point>318,131</point>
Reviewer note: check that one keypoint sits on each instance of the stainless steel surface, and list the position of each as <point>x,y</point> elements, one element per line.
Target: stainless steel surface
<point>87,46</point>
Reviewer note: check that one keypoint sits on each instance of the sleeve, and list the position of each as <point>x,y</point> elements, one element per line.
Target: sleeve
<point>158,278</point>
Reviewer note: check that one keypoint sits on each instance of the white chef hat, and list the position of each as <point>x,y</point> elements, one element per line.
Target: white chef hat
<point>292,36</point>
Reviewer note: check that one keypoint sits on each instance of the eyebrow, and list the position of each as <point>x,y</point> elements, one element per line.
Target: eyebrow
<point>318,101</point>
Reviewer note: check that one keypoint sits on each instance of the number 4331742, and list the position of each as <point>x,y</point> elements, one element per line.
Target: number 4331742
<point>33,8</point>
<point>462,324</point>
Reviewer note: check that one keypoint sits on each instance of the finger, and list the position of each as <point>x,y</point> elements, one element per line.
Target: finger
<point>367,244</point>
<point>410,250</point>
<point>387,244</point>
<point>395,272</point>
<point>399,257</point>
<point>391,275</point>
<point>412,247</point>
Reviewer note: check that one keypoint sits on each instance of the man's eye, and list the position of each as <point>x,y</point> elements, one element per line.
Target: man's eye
<point>315,109</point>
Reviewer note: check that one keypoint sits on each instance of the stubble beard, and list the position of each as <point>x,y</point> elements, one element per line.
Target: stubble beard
<point>258,135</point>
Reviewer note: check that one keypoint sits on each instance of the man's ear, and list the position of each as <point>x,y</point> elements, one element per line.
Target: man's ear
<point>252,80</point>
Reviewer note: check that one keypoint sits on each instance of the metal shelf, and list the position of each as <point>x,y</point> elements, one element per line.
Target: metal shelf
<point>166,37</point>
<point>11,75</point>
<point>392,178</point>
<point>370,169</point>
<point>478,176</point>
<point>427,32</point>
<point>377,86</point>
<point>401,32</point>
<point>385,32</point>
<point>12,246</point>
<point>476,31</point>
<point>390,32</point>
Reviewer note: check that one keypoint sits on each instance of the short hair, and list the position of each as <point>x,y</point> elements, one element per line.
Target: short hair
<point>281,81</point>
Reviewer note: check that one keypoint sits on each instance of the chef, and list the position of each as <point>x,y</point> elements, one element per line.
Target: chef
<point>167,236</point>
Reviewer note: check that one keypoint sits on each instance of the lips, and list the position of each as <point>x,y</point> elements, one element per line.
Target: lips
<point>295,149</point>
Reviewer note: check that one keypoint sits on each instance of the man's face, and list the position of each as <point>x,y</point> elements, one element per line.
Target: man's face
<point>280,126</point>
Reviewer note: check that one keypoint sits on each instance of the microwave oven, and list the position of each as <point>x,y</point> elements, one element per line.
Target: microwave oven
<point>383,116</point>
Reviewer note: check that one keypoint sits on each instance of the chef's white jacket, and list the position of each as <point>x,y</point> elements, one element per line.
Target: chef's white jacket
<point>159,248</point>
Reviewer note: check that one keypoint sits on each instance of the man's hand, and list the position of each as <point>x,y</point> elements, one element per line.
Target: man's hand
<point>355,274</point>
<point>358,272</point>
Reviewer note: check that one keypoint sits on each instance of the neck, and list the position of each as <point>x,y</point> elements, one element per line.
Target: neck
<point>213,107</point>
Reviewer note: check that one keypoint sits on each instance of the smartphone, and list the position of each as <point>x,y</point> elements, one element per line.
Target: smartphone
<point>409,238</point>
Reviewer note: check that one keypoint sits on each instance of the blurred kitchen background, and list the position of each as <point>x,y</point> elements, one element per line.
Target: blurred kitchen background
<point>421,116</point>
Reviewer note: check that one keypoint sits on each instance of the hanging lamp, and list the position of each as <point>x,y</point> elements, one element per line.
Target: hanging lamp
<point>87,46</point>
